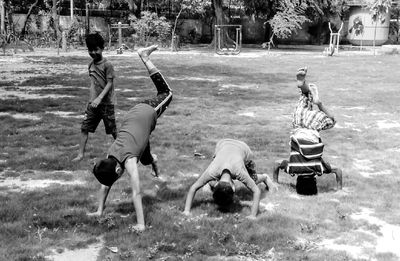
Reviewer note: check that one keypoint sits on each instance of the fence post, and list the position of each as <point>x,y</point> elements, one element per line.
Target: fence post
<point>64,41</point>
<point>119,34</point>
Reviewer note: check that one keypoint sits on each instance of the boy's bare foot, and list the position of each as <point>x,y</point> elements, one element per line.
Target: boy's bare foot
<point>144,53</point>
<point>137,228</point>
<point>78,158</point>
<point>155,172</point>
<point>94,214</point>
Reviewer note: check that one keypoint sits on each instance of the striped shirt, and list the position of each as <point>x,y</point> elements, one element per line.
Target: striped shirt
<point>100,73</point>
<point>306,152</point>
<point>305,117</point>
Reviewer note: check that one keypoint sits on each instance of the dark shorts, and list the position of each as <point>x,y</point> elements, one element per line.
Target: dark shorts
<point>251,169</point>
<point>93,116</point>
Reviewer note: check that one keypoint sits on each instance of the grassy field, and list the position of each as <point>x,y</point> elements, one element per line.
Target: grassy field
<point>45,197</point>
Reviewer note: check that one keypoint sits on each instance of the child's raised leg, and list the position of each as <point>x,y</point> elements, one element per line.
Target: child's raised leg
<point>164,92</point>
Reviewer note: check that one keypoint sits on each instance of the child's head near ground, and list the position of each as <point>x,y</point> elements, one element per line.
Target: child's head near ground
<point>107,171</point>
<point>224,190</point>
<point>223,194</point>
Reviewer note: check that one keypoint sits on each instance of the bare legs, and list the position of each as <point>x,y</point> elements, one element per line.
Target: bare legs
<point>103,193</point>
<point>82,146</point>
<point>278,165</point>
<point>339,177</point>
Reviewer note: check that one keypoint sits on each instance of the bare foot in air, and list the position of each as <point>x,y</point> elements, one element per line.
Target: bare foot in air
<point>144,53</point>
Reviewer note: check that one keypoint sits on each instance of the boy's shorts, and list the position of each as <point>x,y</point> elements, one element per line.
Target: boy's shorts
<point>93,116</point>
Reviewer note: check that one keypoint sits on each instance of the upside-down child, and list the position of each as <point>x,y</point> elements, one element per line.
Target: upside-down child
<point>132,144</point>
<point>102,95</point>
<point>233,159</point>
<point>307,123</point>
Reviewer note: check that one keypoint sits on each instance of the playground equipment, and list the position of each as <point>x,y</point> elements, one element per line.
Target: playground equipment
<point>224,35</point>
<point>334,40</point>
<point>119,26</point>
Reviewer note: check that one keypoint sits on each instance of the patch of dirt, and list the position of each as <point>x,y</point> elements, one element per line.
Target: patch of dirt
<point>248,114</point>
<point>239,86</point>
<point>18,184</point>
<point>363,165</point>
<point>354,251</point>
<point>385,124</point>
<point>388,238</point>
<point>367,243</point>
<point>348,125</point>
<point>366,168</point>
<point>21,116</point>
<point>65,114</point>
<point>209,79</point>
<point>133,98</point>
<point>5,95</point>
<point>49,87</point>
<point>85,254</point>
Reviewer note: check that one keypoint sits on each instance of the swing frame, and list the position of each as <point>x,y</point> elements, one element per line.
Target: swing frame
<point>218,37</point>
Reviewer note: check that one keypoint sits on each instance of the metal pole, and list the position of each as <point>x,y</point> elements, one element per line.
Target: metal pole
<point>2,15</point>
<point>119,34</point>
<point>72,10</point>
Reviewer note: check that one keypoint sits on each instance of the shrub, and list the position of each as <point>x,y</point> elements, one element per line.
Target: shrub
<point>150,28</point>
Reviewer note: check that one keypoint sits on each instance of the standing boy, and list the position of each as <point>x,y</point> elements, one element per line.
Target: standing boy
<point>233,159</point>
<point>132,144</point>
<point>102,95</point>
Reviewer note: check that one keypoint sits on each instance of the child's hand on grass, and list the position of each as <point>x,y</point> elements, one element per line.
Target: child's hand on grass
<point>187,213</point>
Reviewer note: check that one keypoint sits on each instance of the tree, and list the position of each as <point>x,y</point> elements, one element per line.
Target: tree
<point>56,22</point>
<point>321,12</point>
<point>193,6</point>
<point>289,18</point>
<point>23,31</point>
<point>378,10</point>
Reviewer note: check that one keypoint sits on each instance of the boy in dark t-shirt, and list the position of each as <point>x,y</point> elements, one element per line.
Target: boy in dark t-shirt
<point>132,144</point>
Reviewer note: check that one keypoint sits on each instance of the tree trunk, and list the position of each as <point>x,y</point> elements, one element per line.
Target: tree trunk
<point>56,24</point>
<point>174,39</point>
<point>133,7</point>
<point>220,17</point>
<point>23,31</point>
<point>9,21</point>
